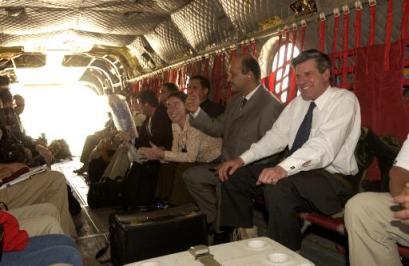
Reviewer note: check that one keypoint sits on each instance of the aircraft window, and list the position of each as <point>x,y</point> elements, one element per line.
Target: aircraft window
<point>281,66</point>
<point>76,60</point>
<point>30,60</point>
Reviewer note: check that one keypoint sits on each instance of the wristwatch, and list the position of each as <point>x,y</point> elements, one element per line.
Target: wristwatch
<point>202,254</point>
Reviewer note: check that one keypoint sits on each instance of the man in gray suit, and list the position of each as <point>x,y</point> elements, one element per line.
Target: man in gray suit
<point>249,114</point>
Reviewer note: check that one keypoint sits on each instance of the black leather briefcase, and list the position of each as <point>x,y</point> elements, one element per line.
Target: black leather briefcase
<point>144,235</point>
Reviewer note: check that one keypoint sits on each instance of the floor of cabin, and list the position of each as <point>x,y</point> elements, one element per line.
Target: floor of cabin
<point>92,225</point>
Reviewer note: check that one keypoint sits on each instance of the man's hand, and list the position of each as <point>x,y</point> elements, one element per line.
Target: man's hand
<point>192,103</point>
<point>45,153</point>
<point>271,175</point>
<point>123,136</point>
<point>403,200</point>
<point>228,168</point>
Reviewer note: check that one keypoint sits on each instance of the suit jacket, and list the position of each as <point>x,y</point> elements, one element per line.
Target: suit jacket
<point>240,128</point>
<point>161,130</point>
<point>211,108</point>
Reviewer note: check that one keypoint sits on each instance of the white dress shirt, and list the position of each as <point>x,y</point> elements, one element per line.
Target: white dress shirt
<point>335,130</point>
<point>402,160</point>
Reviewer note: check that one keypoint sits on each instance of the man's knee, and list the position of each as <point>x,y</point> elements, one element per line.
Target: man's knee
<point>198,176</point>
<point>188,175</point>
<point>54,225</point>
<point>359,205</point>
<point>274,193</point>
<point>50,209</point>
<point>51,177</point>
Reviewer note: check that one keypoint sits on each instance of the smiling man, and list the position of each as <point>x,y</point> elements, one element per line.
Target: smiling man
<point>321,128</point>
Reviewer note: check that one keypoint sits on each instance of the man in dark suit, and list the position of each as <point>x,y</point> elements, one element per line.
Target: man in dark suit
<point>165,90</point>
<point>321,127</point>
<point>200,86</point>
<point>157,127</point>
<point>248,115</point>
<point>156,130</point>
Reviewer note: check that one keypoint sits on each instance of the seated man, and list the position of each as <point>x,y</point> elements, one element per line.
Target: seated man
<point>376,222</point>
<point>140,184</point>
<point>46,187</point>
<point>38,219</point>
<point>199,85</point>
<point>119,164</point>
<point>248,115</point>
<point>321,127</point>
<point>16,145</point>
<point>92,141</point>
<point>20,249</point>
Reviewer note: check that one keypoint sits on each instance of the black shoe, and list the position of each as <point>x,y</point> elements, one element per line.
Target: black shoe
<point>221,238</point>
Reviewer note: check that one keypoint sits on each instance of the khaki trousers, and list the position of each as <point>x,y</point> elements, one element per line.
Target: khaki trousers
<point>50,187</point>
<point>118,165</point>
<point>38,219</point>
<point>372,232</point>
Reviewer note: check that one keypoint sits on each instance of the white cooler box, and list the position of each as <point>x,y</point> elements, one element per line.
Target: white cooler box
<point>256,251</point>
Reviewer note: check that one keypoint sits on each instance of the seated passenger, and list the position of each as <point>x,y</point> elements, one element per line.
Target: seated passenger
<point>321,127</point>
<point>248,115</point>
<point>200,86</point>
<point>46,187</point>
<point>377,222</point>
<point>91,142</point>
<point>38,219</point>
<point>16,146</point>
<point>138,116</point>
<point>120,162</point>
<point>19,249</point>
<point>141,180</point>
<point>49,186</point>
<point>19,105</point>
<point>189,145</point>
<point>165,90</point>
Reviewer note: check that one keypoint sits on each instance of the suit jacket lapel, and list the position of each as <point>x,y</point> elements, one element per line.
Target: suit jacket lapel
<point>249,105</point>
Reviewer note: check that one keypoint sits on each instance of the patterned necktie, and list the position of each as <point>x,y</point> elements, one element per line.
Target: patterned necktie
<point>243,103</point>
<point>304,130</point>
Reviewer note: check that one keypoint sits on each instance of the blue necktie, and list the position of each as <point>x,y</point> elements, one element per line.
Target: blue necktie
<point>304,131</point>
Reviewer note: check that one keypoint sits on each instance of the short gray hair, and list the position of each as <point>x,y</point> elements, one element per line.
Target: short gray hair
<point>322,60</point>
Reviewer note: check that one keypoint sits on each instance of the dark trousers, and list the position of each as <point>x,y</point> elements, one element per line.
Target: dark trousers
<point>316,190</point>
<point>140,183</point>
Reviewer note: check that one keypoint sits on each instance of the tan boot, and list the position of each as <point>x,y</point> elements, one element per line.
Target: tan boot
<point>242,233</point>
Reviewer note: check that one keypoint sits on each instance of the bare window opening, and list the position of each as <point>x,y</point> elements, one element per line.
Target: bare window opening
<point>281,66</point>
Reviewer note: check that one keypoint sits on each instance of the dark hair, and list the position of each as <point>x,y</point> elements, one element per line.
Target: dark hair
<point>204,82</point>
<point>250,64</point>
<point>6,96</point>
<point>147,96</point>
<point>322,60</point>
<point>4,81</point>
<point>170,87</point>
<point>180,95</point>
